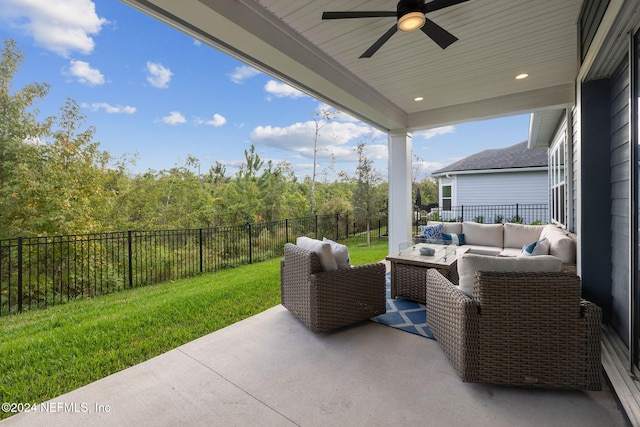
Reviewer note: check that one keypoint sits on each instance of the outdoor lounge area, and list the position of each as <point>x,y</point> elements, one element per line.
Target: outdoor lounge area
<point>572,65</point>
<point>270,370</point>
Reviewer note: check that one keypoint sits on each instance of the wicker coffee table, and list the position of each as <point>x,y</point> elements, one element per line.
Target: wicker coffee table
<point>409,268</point>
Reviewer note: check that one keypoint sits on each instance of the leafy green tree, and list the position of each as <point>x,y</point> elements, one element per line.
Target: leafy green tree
<point>335,206</point>
<point>367,201</point>
<point>20,130</point>
<point>247,201</point>
<point>61,187</point>
<point>320,120</point>
<point>55,179</point>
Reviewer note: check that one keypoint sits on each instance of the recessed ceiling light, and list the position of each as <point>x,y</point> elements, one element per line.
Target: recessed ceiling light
<point>418,98</point>
<point>522,76</point>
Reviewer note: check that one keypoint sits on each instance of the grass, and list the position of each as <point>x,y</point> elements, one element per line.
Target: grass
<point>46,353</point>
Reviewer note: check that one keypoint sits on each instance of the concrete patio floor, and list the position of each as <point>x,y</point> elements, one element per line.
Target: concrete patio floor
<point>269,370</point>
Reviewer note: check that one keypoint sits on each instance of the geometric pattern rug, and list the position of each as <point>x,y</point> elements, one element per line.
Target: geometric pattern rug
<point>408,316</point>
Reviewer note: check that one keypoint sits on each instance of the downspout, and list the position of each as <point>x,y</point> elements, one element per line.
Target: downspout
<point>633,199</point>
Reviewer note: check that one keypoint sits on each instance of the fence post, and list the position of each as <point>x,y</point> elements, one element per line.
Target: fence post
<point>337,224</point>
<point>250,245</point>
<point>462,213</point>
<point>316,227</point>
<point>19,275</point>
<point>347,225</point>
<point>286,230</point>
<point>130,259</point>
<point>518,213</point>
<point>201,254</point>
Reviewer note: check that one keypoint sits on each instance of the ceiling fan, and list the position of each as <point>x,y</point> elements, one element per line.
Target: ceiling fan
<point>410,16</point>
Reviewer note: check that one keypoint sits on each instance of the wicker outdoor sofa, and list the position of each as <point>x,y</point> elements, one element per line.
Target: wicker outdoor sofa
<point>326,300</point>
<point>523,329</point>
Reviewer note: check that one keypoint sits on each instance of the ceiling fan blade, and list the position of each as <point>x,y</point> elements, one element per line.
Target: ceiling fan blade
<point>378,44</point>
<point>357,14</point>
<point>440,4</point>
<point>438,34</point>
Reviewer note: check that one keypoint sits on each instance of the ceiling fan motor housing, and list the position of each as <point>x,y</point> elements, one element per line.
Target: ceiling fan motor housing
<point>408,6</point>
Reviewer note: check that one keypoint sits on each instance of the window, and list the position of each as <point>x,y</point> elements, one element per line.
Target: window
<point>557,180</point>
<point>446,197</point>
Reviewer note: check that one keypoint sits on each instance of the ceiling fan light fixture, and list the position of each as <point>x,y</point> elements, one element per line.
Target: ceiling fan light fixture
<point>411,21</point>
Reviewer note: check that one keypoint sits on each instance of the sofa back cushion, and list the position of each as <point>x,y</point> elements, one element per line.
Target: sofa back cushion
<point>519,235</point>
<point>483,234</point>
<point>323,249</point>
<point>469,264</point>
<point>561,245</point>
<point>449,227</point>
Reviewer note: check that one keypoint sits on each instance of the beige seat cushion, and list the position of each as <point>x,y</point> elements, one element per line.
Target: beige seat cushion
<point>469,264</point>
<point>511,252</point>
<point>484,250</point>
<point>519,235</point>
<point>483,234</point>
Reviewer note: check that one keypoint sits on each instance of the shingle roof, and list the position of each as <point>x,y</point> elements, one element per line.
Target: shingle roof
<point>516,156</point>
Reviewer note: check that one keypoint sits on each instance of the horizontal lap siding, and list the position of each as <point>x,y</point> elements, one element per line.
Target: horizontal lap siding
<point>620,199</point>
<point>502,188</point>
<point>574,149</point>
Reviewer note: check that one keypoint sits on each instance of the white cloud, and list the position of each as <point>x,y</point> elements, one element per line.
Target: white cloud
<point>333,139</point>
<point>110,109</point>
<point>282,90</point>
<point>86,75</point>
<point>377,151</point>
<point>159,76</point>
<point>430,133</point>
<point>60,26</point>
<point>339,116</point>
<point>217,120</point>
<point>425,169</point>
<point>242,73</point>
<point>174,118</point>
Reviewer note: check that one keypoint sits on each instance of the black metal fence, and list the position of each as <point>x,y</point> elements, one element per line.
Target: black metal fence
<point>37,272</point>
<point>492,214</point>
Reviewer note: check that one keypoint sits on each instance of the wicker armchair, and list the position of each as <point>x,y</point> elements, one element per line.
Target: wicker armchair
<point>523,329</point>
<point>326,300</point>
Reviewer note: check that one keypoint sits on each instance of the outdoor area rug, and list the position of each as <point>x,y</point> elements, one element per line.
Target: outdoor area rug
<point>409,316</point>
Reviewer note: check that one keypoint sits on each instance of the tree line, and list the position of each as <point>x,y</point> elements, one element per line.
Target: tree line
<point>55,179</point>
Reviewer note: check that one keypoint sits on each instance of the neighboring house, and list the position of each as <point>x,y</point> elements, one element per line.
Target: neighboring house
<point>503,176</point>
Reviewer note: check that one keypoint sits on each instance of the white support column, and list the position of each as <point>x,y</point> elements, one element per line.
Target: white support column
<point>400,205</point>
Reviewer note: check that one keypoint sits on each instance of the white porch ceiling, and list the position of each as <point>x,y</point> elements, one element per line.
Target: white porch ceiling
<point>472,79</point>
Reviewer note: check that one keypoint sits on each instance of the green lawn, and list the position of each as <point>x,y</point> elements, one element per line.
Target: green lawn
<point>50,352</point>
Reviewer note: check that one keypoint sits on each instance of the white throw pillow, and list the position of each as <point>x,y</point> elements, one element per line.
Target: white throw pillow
<point>340,252</point>
<point>540,247</point>
<point>323,249</point>
<point>469,264</point>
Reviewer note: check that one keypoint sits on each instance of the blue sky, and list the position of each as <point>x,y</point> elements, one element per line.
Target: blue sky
<point>153,92</point>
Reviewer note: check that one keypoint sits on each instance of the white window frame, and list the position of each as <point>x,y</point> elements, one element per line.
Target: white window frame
<point>450,198</point>
<point>559,179</point>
